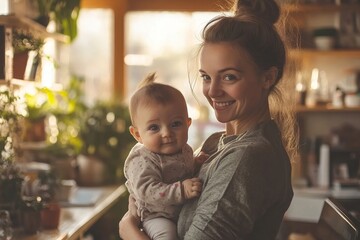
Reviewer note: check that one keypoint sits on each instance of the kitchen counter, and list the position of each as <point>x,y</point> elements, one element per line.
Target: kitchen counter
<point>76,218</point>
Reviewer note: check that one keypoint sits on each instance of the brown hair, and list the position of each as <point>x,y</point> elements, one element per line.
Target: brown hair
<point>150,91</point>
<point>252,27</point>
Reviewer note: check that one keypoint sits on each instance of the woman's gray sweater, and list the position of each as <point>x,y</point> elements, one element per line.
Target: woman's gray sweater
<point>246,188</point>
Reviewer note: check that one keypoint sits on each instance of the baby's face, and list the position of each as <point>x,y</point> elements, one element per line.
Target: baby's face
<point>162,129</point>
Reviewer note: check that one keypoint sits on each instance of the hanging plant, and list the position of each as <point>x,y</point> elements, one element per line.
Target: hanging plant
<point>65,13</point>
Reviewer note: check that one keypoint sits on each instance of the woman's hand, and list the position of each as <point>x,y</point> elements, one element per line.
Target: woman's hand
<point>130,222</point>
<point>132,208</point>
<point>129,230</point>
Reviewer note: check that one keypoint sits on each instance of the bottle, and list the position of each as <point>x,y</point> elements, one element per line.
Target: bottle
<point>312,167</point>
<point>300,88</point>
<point>338,97</point>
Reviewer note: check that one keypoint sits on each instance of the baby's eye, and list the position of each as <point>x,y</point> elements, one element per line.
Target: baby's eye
<point>176,124</point>
<point>153,127</point>
<point>229,77</point>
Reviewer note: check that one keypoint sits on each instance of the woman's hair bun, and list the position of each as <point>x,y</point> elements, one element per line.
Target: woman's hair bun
<point>267,10</point>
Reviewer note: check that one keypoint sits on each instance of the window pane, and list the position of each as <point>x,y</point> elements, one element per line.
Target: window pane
<point>92,53</point>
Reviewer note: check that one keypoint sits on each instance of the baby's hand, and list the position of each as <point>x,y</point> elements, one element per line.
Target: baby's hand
<point>191,187</point>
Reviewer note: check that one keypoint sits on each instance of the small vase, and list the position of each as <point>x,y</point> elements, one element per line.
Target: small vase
<point>50,216</point>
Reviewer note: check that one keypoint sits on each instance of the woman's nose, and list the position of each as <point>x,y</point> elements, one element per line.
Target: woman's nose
<point>214,89</point>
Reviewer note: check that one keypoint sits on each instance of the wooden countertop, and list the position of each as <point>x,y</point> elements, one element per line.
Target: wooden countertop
<point>75,221</point>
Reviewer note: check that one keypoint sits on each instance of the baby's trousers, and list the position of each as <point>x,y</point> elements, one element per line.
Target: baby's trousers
<point>160,229</point>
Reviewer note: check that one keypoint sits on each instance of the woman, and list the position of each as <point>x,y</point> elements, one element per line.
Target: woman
<point>247,178</point>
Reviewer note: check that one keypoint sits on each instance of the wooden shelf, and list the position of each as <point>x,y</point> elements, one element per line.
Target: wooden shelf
<point>311,8</point>
<point>344,52</point>
<point>327,109</point>
<point>28,24</point>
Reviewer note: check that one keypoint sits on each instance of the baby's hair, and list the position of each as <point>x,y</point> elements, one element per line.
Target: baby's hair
<point>150,91</point>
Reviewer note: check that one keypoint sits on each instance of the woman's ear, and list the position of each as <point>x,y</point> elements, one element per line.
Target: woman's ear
<point>189,121</point>
<point>270,77</point>
<point>135,133</point>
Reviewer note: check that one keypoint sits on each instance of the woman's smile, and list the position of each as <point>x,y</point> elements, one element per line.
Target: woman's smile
<point>222,105</point>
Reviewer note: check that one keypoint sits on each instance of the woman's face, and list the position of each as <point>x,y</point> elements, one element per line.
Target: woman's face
<point>232,83</point>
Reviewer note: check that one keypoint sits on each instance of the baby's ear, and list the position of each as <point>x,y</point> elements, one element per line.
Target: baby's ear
<point>135,133</point>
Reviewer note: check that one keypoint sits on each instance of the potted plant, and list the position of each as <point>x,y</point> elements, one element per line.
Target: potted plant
<point>65,13</point>
<point>28,51</point>
<point>50,212</point>
<point>106,143</point>
<point>39,104</point>
<point>10,175</point>
<point>31,207</point>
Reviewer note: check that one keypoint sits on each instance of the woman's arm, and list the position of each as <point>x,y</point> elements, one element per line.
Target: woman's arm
<point>129,230</point>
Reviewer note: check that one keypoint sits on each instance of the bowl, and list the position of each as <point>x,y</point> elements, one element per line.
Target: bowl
<point>324,42</point>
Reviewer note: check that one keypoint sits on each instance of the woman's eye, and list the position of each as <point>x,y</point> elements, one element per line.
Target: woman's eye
<point>176,124</point>
<point>229,77</point>
<point>153,128</point>
<point>205,77</point>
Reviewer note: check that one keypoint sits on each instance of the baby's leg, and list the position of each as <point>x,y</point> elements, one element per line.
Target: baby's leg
<point>160,229</point>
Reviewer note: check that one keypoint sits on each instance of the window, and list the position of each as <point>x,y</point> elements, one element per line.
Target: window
<point>166,43</point>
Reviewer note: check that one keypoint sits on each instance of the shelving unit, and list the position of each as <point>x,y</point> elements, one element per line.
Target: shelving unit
<point>7,24</point>
<point>321,121</point>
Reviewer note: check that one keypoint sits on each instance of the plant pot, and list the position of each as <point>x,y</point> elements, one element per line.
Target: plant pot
<point>34,130</point>
<point>19,64</point>
<point>90,171</point>
<point>50,216</point>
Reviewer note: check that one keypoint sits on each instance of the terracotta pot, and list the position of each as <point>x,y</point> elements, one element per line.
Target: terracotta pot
<point>19,64</point>
<point>34,131</point>
<point>50,216</point>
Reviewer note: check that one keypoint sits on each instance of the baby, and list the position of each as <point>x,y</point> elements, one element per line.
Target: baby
<point>160,167</point>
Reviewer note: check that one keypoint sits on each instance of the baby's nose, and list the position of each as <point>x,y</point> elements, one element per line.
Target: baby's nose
<point>166,132</point>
